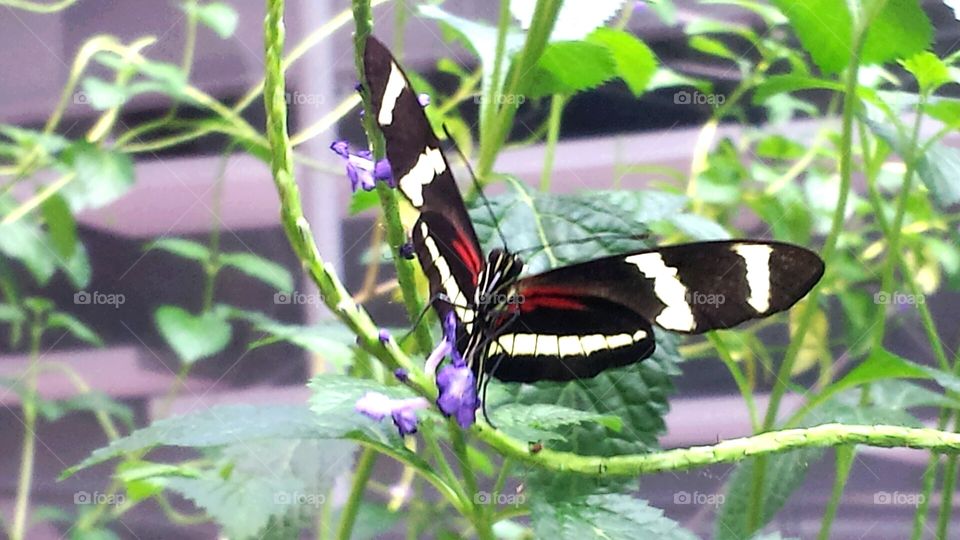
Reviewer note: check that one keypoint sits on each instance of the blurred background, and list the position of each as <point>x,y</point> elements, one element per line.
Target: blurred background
<point>608,139</point>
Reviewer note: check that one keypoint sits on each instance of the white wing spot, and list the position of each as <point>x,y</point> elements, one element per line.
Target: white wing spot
<point>395,86</point>
<point>677,314</point>
<point>429,165</point>
<point>756,258</point>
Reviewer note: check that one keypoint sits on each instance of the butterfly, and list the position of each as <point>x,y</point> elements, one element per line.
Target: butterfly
<point>574,321</point>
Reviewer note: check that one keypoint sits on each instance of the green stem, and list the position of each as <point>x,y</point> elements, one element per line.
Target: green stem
<point>557,102</point>
<point>25,480</point>
<point>845,456</point>
<point>481,518</point>
<point>810,304</point>
<point>946,503</point>
<point>360,476</point>
<point>396,236</point>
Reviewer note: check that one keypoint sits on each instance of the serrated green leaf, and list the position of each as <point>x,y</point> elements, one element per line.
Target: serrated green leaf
<point>102,175</point>
<point>193,337</point>
<point>76,328</point>
<point>217,426</point>
<point>610,517</point>
<point>220,17</point>
<point>929,71</point>
<point>779,84</point>
<point>944,110</point>
<point>900,30</point>
<point>187,249</point>
<point>882,364</point>
<point>540,421</point>
<point>61,226</point>
<point>568,67</point>
<point>574,20</point>
<point>635,62</point>
<point>24,241</point>
<point>257,267</point>
<point>333,340</point>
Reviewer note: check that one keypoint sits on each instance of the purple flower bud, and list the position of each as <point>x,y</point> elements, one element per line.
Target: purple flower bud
<point>423,99</point>
<point>401,374</point>
<point>358,86</point>
<point>407,251</point>
<point>403,411</point>
<point>384,336</point>
<point>361,170</point>
<point>458,394</point>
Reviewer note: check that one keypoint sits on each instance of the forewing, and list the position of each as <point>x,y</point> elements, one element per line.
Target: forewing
<point>443,236</point>
<point>689,288</point>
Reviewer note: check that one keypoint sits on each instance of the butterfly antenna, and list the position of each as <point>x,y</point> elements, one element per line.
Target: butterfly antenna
<point>478,188</point>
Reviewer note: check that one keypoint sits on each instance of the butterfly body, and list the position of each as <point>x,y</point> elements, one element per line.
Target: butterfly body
<point>578,320</point>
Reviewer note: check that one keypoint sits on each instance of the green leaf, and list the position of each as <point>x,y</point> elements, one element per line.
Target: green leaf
<point>333,341</point>
<point>900,30</point>
<point>931,73</point>
<point>610,517</point>
<point>635,62</point>
<point>363,200</point>
<point>50,143</point>
<point>825,29</point>
<point>944,110</point>
<point>938,167</point>
<point>24,241</point>
<point>220,17</point>
<point>193,337</point>
<point>882,364</point>
<point>783,474</point>
<point>539,422</point>
<point>779,84</point>
<point>575,19</point>
<point>257,267</point>
<point>102,95</point>
<point>79,330</point>
<point>568,67</point>
<point>268,480</point>
<point>92,402</point>
<point>187,249</point>
<point>102,175</point>
<point>217,426</point>
<point>10,313</point>
<point>60,226</point>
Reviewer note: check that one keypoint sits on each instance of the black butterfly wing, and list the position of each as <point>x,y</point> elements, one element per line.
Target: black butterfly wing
<point>688,288</point>
<point>443,237</point>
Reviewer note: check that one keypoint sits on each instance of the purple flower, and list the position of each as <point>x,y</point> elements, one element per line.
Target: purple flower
<point>456,382</point>
<point>423,99</point>
<point>458,394</point>
<point>361,169</point>
<point>384,336</point>
<point>401,374</point>
<point>403,411</point>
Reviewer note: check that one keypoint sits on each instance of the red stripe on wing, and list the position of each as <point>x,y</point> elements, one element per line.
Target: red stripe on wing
<point>551,297</point>
<point>467,254</point>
